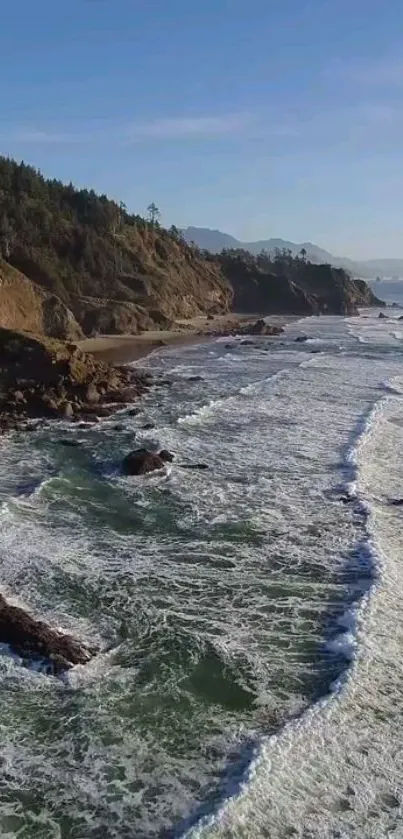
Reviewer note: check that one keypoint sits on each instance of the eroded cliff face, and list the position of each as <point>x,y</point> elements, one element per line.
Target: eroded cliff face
<point>299,288</point>
<point>25,305</point>
<point>263,292</point>
<point>334,291</point>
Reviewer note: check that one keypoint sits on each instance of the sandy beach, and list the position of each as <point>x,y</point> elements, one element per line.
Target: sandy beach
<point>124,348</point>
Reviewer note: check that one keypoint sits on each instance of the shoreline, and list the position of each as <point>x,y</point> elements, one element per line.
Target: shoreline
<point>123,349</point>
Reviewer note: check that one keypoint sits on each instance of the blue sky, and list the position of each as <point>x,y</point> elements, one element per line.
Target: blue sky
<point>259,117</point>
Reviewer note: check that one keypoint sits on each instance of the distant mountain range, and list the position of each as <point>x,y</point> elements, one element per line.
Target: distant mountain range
<point>214,241</point>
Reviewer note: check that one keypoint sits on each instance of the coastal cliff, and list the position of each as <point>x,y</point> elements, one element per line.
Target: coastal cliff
<point>84,265</point>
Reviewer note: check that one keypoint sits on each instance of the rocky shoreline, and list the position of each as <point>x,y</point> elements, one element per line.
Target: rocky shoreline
<point>42,378</point>
<point>46,378</point>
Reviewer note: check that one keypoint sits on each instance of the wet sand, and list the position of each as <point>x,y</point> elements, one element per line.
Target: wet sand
<point>124,348</point>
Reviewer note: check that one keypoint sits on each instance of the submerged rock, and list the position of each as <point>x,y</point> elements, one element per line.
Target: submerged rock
<point>31,638</point>
<point>142,461</point>
<point>300,339</point>
<point>193,465</point>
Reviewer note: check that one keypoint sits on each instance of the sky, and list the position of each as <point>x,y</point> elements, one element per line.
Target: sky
<point>262,118</point>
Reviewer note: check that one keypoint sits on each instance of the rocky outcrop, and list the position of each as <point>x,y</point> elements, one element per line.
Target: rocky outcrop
<point>114,317</point>
<point>32,639</point>
<point>25,305</point>
<point>142,461</point>
<point>259,291</point>
<point>43,377</point>
<point>366,297</point>
<point>292,286</point>
<point>260,327</point>
<point>333,290</point>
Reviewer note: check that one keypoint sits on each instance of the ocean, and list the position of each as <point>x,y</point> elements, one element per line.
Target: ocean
<point>249,615</point>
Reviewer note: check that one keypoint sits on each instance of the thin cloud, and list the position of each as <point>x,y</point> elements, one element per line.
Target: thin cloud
<point>180,128</point>
<point>189,127</point>
<point>32,136</point>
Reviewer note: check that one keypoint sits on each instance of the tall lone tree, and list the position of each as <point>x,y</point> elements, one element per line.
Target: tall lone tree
<point>154,214</point>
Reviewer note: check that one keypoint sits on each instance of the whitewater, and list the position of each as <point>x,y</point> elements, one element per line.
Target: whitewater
<point>249,616</point>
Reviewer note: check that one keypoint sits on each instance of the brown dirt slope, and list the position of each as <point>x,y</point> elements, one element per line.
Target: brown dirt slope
<point>26,306</point>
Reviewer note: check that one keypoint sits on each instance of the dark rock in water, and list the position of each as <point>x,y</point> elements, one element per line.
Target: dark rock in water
<point>133,412</point>
<point>166,456</point>
<point>301,339</point>
<point>396,502</point>
<point>195,379</point>
<point>119,426</point>
<point>401,317</point>
<point>246,342</point>
<point>382,315</point>
<point>141,461</point>
<point>30,638</point>
<point>70,443</point>
<point>314,352</point>
<point>193,466</point>
<point>260,327</point>
<point>229,346</point>
<point>147,426</point>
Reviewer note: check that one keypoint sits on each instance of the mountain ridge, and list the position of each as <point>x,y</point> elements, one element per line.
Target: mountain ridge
<point>215,241</point>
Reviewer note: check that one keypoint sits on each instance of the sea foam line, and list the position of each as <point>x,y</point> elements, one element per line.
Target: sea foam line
<point>352,626</point>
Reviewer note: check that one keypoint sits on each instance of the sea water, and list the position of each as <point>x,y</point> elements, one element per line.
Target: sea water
<point>248,615</point>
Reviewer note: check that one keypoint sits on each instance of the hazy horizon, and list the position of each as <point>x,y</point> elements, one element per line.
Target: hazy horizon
<point>312,240</point>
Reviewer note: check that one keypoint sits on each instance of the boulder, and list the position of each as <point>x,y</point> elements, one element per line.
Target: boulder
<point>260,327</point>
<point>247,343</point>
<point>382,315</point>
<point>141,461</point>
<point>166,456</point>
<point>91,394</point>
<point>300,339</point>
<point>66,410</point>
<point>31,638</point>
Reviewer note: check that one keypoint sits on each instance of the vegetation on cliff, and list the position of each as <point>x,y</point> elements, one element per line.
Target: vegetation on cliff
<point>85,248</point>
<point>101,269</point>
<point>283,283</point>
